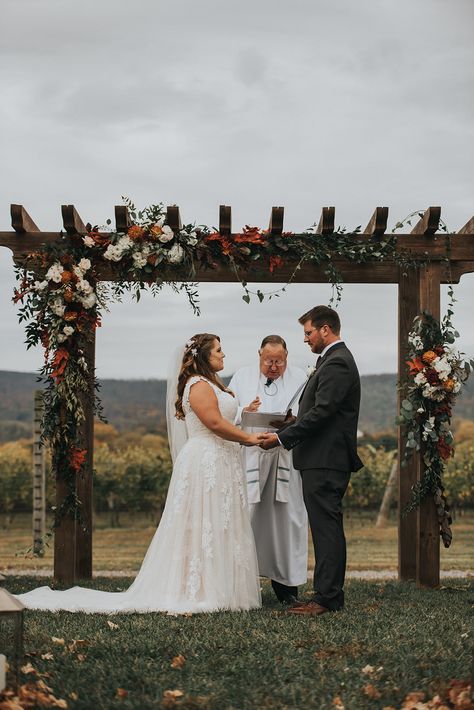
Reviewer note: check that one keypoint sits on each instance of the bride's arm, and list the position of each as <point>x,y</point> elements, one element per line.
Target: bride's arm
<point>204,404</point>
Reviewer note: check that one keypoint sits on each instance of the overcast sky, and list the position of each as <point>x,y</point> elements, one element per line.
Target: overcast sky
<point>303,103</point>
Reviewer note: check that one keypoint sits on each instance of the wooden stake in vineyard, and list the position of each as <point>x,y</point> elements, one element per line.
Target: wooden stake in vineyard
<point>39,479</point>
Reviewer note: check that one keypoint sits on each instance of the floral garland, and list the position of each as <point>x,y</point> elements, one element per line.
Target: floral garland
<point>62,298</point>
<point>436,373</point>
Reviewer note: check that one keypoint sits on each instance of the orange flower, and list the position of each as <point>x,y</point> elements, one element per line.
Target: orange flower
<point>70,316</point>
<point>448,385</point>
<point>429,356</point>
<point>416,365</point>
<point>250,235</point>
<point>59,363</point>
<point>151,259</point>
<point>156,230</point>
<point>135,232</point>
<point>78,457</point>
<point>68,295</point>
<point>66,277</point>
<point>276,262</point>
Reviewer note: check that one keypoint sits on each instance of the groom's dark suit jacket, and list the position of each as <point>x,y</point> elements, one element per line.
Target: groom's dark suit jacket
<point>325,432</point>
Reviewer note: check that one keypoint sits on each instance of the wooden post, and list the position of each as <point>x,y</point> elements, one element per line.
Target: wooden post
<point>427,539</point>
<point>83,557</point>
<point>408,309</point>
<point>73,537</point>
<point>384,511</point>
<point>39,479</point>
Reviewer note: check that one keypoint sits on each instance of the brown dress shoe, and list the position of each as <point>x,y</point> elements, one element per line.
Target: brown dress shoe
<point>309,609</point>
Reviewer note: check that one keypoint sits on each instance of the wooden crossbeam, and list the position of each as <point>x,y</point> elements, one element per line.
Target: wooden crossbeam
<point>429,223</point>
<point>173,218</point>
<point>468,227</point>
<point>327,220</point>
<point>73,224</point>
<point>21,220</point>
<point>276,220</point>
<point>225,220</point>
<point>378,223</point>
<point>122,218</point>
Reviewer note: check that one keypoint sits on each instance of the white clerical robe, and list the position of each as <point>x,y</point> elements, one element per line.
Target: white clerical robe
<point>275,493</point>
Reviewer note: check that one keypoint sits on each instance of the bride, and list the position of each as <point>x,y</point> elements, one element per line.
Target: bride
<point>202,557</point>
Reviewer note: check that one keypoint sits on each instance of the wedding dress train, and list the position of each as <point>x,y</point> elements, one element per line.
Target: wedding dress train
<point>202,557</point>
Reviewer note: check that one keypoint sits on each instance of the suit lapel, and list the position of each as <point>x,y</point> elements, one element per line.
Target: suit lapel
<point>320,364</point>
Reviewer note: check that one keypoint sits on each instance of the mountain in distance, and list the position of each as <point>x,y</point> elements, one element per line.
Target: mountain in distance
<point>141,404</point>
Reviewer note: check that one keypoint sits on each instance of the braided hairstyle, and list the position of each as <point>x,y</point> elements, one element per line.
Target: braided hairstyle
<point>196,362</point>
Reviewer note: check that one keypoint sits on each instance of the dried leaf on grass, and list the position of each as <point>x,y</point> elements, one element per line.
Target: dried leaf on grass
<point>178,661</point>
<point>111,625</point>
<point>371,691</point>
<point>31,695</point>
<point>458,697</point>
<point>47,656</point>
<point>121,693</point>
<point>55,639</point>
<point>337,703</point>
<point>170,697</point>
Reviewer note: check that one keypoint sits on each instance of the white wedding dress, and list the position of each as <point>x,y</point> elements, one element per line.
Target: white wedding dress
<point>202,557</point>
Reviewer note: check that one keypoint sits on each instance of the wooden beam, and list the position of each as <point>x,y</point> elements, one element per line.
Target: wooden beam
<point>173,218</point>
<point>21,220</point>
<point>327,220</point>
<point>468,227</point>
<point>378,222</point>
<point>122,218</point>
<point>427,539</point>
<point>73,224</point>
<point>408,309</point>
<point>429,223</point>
<point>225,220</point>
<point>276,221</point>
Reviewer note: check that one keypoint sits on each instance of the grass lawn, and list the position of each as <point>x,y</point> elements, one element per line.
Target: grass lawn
<point>413,640</point>
<point>123,548</point>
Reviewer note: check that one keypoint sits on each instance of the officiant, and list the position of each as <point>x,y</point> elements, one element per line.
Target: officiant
<point>275,492</point>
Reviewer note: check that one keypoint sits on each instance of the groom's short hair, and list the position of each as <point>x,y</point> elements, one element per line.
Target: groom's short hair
<point>273,340</point>
<point>322,315</point>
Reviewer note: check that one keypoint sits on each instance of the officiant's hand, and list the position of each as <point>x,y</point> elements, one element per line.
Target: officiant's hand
<point>289,419</point>
<point>268,441</point>
<point>253,406</point>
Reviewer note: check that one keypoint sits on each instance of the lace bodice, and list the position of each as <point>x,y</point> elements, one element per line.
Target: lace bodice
<point>227,405</point>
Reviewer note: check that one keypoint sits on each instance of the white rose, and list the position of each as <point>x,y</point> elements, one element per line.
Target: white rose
<point>113,253</point>
<point>89,301</point>
<point>58,308</point>
<point>84,286</point>
<point>68,330</point>
<point>61,338</point>
<point>88,241</point>
<point>124,243</point>
<point>40,285</point>
<point>166,235</point>
<point>420,379</point>
<point>85,265</point>
<point>456,387</point>
<point>175,254</point>
<point>139,260</point>
<point>54,273</point>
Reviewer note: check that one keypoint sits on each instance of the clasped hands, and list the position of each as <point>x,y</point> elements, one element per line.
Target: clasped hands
<point>269,440</point>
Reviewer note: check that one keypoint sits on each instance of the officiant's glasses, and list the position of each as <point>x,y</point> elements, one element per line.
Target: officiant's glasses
<point>277,363</point>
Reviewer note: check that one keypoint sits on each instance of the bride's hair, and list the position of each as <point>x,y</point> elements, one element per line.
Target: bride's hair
<point>196,362</point>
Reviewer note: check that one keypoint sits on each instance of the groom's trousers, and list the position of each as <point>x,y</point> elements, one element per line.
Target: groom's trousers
<point>323,491</point>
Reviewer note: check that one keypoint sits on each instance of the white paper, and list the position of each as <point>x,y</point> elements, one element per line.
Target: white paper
<point>262,419</point>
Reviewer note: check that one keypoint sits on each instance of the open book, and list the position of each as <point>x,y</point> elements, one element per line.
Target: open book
<point>262,419</point>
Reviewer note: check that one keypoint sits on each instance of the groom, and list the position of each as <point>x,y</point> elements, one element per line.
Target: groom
<point>324,437</point>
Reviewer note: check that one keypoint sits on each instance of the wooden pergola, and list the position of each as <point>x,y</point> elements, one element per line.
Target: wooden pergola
<point>418,290</point>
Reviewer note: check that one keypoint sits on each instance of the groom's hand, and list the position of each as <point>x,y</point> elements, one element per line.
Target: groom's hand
<point>268,441</point>
<point>289,419</point>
